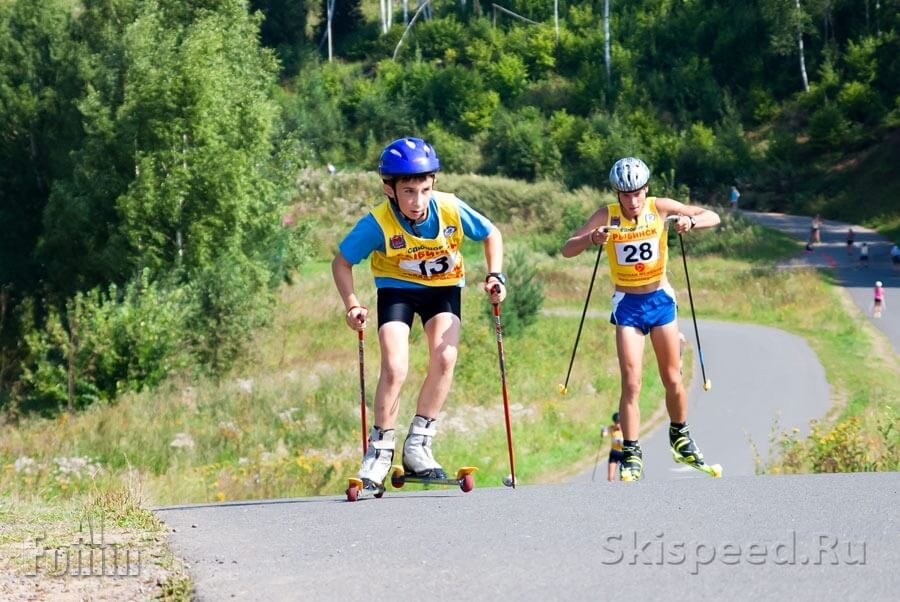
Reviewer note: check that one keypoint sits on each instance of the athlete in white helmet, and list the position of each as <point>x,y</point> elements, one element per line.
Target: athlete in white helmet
<point>634,234</point>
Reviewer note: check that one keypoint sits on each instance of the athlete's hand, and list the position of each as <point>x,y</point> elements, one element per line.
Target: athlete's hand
<point>495,289</point>
<point>683,224</point>
<point>356,317</point>
<point>599,236</point>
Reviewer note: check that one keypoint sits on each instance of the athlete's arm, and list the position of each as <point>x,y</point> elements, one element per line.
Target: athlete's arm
<point>342,272</point>
<point>493,259</point>
<point>703,218</point>
<point>588,234</point>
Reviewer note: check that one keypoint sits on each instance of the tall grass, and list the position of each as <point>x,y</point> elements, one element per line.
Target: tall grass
<point>286,421</point>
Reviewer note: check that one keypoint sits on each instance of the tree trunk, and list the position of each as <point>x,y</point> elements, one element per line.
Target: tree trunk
<point>800,48</point>
<point>330,14</point>
<point>606,54</point>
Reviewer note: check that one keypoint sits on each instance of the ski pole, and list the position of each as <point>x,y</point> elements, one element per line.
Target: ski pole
<point>564,388</point>
<point>707,384</point>
<point>362,389</point>
<point>511,480</point>
<point>597,461</point>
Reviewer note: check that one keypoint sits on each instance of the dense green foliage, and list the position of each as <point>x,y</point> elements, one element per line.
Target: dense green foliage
<point>147,176</point>
<point>687,81</point>
<point>152,146</point>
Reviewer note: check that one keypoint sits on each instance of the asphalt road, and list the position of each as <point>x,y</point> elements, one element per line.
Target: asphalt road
<point>825,537</point>
<point>762,379</point>
<point>808,537</point>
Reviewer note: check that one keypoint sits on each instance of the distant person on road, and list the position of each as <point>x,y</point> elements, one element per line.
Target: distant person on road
<point>414,239</point>
<point>815,234</point>
<point>864,256</point>
<point>733,197</point>
<point>895,257</point>
<point>878,304</point>
<point>851,237</point>
<point>634,233</point>
<point>614,431</point>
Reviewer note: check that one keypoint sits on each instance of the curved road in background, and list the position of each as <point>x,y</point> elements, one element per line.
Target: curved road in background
<point>832,253</point>
<point>761,378</point>
<point>740,537</point>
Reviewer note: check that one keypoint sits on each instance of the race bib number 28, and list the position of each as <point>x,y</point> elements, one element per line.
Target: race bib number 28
<point>634,252</point>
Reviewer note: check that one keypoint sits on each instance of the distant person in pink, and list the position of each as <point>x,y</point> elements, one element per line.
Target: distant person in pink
<point>878,305</point>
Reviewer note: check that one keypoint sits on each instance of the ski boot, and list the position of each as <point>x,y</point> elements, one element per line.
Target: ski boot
<point>419,465</point>
<point>418,460</point>
<point>632,465</point>
<point>685,451</point>
<point>375,465</point>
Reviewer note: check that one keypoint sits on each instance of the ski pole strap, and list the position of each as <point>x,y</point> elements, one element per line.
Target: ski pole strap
<point>357,307</point>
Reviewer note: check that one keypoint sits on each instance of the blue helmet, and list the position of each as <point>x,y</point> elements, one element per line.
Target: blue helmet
<point>408,157</point>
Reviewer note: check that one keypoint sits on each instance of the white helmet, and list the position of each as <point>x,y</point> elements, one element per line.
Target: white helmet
<point>629,174</point>
<point>878,283</point>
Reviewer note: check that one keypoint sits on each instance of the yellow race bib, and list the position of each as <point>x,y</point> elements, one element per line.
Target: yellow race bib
<point>428,261</point>
<point>637,250</point>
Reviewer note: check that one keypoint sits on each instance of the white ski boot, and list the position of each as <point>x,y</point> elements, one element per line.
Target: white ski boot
<point>378,459</point>
<point>418,459</point>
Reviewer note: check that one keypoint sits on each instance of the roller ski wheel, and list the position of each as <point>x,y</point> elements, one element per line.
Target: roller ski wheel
<point>357,489</point>
<point>713,470</point>
<point>464,479</point>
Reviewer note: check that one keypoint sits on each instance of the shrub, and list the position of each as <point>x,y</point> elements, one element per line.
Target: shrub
<point>828,128</point>
<point>860,103</point>
<point>108,341</point>
<point>518,146</point>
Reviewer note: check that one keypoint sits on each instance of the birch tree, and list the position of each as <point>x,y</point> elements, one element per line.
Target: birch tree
<point>788,22</point>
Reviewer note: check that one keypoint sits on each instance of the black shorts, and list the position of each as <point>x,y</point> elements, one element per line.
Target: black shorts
<point>401,304</point>
<point>616,455</point>
<point>896,258</point>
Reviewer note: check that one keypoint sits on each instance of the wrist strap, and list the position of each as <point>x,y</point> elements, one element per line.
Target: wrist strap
<point>357,307</point>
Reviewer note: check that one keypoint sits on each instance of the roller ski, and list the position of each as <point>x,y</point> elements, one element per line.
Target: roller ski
<point>375,466</point>
<point>685,451</point>
<point>360,488</point>
<point>464,479</point>
<point>419,465</point>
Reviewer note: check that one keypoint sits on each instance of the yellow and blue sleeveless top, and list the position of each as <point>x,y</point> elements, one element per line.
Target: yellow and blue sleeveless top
<point>616,440</point>
<point>428,261</point>
<point>637,251</point>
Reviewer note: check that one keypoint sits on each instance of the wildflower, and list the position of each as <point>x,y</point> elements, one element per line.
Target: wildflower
<point>182,440</point>
<point>245,385</point>
<point>25,465</point>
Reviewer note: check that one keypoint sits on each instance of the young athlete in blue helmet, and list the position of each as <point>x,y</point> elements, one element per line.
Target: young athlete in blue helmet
<point>414,243</point>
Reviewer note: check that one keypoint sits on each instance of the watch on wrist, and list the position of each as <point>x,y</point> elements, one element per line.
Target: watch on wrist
<point>498,275</point>
<point>693,221</point>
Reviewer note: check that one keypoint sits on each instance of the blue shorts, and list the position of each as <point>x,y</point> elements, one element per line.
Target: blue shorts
<point>644,310</point>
